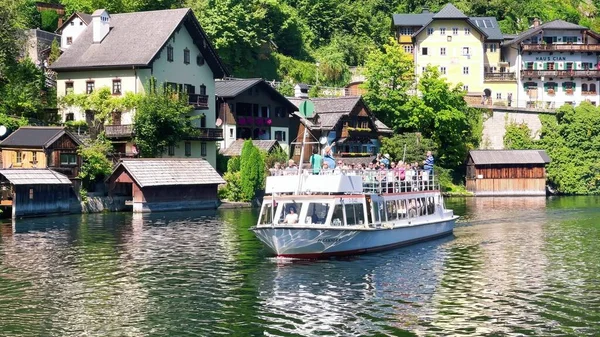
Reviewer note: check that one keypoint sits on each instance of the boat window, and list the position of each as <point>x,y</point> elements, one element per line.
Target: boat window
<point>390,207</point>
<point>338,216</point>
<point>355,214</point>
<point>401,209</point>
<point>266,214</point>
<point>422,208</point>
<point>317,213</point>
<point>377,211</point>
<point>430,205</point>
<point>290,212</point>
<point>412,208</point>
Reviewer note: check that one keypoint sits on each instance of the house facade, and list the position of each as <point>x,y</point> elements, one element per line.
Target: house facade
<point>42,147</point>
<point>70,30</point>
<point>346,123</point>
<point>463,48</point>
<point>125,51</point>
<point>253,109</point>
<point>556,63</point>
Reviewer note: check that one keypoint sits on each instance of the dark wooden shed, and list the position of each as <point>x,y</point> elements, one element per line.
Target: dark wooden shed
<point>36,192</point>
<point>166,184</point>
<point>507,172</point>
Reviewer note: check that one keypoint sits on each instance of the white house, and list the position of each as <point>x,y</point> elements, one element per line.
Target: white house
<point>124,51</point>
<point>72,28</point>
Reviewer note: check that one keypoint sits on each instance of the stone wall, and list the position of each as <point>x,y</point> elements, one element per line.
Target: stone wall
<point>98,204</point>
<point>494,127</point>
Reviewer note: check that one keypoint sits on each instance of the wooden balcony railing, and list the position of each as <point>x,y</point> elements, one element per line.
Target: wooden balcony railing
<point>198,101</point>
<point>561,73</point>
<point>500,77</point>
<point>206,134</point>
<point>118,131</point>
<point>561,47</point>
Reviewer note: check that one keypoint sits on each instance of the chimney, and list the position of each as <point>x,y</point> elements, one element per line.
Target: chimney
<point>301,90</point>
<point>100,25</point>
<point>425,10</point>
<point>536,22</point>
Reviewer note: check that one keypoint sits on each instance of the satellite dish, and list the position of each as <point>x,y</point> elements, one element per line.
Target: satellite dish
<point>3,130</point>
<point>323,140</point>
<point>218,122</point>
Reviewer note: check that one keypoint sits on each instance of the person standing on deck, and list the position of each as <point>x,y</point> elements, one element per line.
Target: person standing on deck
<point>316,161</point>
<point>428,163</point>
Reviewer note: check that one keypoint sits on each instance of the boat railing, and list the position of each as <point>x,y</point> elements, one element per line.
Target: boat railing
<point>379,181</point>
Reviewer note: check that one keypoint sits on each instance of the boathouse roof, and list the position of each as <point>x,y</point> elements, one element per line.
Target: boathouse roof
<point>501,157</point>
<point>36,137</point>
<point>169,171</point>
<point>34,177</point>
<point>235,149</point>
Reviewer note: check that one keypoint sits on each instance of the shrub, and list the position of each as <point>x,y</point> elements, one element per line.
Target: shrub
<point>252,171</point>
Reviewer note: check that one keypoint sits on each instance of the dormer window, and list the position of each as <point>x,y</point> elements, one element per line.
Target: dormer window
<point>186,56</point>
<point>200,60</point>
<point>72,23</point>
<point>169,53</point>
<point>69,40</point>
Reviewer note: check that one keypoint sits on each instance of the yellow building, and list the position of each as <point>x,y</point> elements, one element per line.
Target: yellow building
<point>466,50</point>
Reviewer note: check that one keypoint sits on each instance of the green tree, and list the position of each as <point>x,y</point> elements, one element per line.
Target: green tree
<point>518,137</point>
<point>442,114</point>
<point>23,90</point>
<point>160,121</point>
<point>54,51</point>
<point>416,147</point>
<point>252,171</point>
<point>101,104</point>
<point>49,20</point>
<point>95,164</point>
<point>390,77</point>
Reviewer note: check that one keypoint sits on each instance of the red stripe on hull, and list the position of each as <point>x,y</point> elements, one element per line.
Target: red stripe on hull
<point>315,256</point>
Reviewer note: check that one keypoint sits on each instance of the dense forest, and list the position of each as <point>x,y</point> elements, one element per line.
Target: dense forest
<point>279,39</point>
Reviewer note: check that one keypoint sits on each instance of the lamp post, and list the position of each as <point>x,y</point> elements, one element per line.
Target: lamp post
<point>542,91</point>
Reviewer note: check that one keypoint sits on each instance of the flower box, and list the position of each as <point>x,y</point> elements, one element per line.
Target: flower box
<point>354,154</point>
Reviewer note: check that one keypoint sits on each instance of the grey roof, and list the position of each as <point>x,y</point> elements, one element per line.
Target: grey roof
<point>555,24</point>
<point>382,127</point>
<point>34,177</point>
<point>335,104</point>
<point>235,149</point>
<point>450,12</point>
<point>36,137</point>
<point>230,88</point>
<point>170,171</point>
<point>412,20</point>
<point>135,39</point>
<point>498,157</point>
<point>489,26</point>
<point>329,120</point>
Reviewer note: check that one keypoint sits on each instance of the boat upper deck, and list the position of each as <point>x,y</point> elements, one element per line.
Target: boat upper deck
<point>349,182</point>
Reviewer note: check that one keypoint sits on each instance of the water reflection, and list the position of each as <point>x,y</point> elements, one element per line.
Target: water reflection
<point>516,266</point>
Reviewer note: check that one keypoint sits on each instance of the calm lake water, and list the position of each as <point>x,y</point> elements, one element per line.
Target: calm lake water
<point>515,266</point>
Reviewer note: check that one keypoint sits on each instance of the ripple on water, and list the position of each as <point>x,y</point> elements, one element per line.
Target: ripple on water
<point>514,267</point>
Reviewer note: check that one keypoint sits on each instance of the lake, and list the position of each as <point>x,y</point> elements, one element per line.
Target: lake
<point>515,266</point>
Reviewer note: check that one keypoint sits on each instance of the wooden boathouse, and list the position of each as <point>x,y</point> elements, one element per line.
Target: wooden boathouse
<point>507,172</point>
<point>36,192</point>
<point>166,184</point>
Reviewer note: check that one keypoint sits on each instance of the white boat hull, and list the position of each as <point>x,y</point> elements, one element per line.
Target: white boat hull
<point>317,243</point>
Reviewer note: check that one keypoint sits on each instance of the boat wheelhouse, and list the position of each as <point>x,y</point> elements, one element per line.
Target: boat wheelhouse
<point>349,212</point>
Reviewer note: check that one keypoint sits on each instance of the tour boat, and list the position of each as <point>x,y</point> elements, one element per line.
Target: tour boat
<point>341,213</point>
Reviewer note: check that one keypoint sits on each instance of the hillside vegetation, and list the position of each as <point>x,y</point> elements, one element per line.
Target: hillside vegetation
<point>279,39</point>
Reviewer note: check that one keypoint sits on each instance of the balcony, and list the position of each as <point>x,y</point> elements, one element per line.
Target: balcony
<point>497,77</point>
<point>198,101</point>
<point>560,73</point>
<point>206,134</point>
<point>561,47</point>
<point>348,131</point>
<point>118,131</point>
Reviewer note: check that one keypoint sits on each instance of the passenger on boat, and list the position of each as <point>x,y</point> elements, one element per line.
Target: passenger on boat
<point>276,170</point>
<point>291,217</point>
<point>385,160</point>
<point>428,163</point>
<point>328,158</point>
<point>292,168</point>
<point>316,161</point>
<point>326,169</point>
